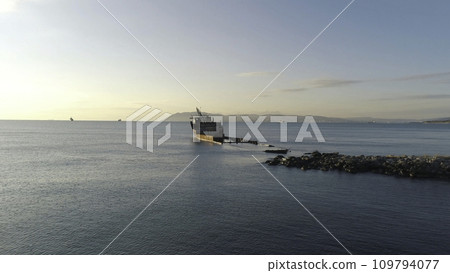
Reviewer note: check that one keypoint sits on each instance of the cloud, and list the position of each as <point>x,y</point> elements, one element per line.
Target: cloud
<point>256,74</point>
<point>419,97</point>
<point>421,76</point>
<point>332,82</point>
<point>320,83</point>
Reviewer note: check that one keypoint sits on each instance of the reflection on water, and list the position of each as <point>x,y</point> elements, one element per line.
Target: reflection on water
<point>71,187</point>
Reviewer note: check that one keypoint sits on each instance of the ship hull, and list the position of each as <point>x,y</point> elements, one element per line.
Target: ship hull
<point>206,129</point>
<point>208,138</point>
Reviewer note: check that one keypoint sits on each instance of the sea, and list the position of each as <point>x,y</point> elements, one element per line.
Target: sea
<point>79,188</point>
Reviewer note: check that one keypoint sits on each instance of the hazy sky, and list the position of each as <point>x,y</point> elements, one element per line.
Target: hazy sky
<point>384,58</point>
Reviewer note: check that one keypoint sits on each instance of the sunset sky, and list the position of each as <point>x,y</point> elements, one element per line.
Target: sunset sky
<point>384,58</point>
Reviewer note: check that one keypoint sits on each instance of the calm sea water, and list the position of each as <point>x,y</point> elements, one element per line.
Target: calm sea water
<point>71,187</point>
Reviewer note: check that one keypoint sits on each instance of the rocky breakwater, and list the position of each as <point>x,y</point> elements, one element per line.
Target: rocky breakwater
<point>404,166</point>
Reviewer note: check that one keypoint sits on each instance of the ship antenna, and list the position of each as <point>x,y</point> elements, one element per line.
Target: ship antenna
<point>198,111</point>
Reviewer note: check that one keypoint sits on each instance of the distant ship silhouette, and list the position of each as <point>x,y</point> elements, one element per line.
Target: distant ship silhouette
<point>71,119</point>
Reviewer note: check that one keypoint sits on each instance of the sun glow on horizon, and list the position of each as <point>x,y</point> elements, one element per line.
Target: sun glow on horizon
<point>71,58</point>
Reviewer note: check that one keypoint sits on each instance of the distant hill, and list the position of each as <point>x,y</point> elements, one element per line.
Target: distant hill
<point>381,120</point>
<point>439,120</point>
<point>184,116</point>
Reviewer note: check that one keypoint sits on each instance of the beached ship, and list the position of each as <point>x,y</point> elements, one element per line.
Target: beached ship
<point>206,129</point>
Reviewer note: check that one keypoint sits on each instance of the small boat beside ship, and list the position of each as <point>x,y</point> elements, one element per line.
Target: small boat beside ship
<point>279,151</point>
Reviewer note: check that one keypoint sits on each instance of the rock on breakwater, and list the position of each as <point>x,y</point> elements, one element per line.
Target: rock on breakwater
<point>404,166</point>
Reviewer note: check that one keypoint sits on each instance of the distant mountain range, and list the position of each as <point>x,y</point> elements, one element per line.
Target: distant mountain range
<point>184,116</point>
<point>440,120</point>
